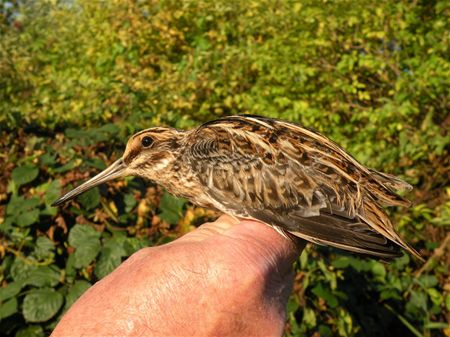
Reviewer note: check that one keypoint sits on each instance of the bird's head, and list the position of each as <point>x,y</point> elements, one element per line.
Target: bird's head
<point>147,154</point>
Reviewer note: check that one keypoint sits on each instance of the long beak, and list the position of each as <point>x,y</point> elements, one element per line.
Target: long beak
<point>116,170</point>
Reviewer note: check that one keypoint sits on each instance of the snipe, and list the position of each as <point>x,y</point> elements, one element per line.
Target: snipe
<point>273,171</point>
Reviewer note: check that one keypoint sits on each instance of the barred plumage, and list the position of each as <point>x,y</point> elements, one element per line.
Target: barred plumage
<point>272,171</point>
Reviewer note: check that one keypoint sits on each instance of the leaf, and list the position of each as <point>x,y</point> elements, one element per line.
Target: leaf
<point>130,202</point>
<point>44,276</point>
<point>325,331</point>
<point>309,317</point>
<point>402,261</point>
<point>70,269</point>
<point>437,325</point>
<point>110,256</point>
<point>171,208</point>
<point>293,304</point>
<point>428,281</point>
<point>325,294</point>
<point>31,331</point>
<point>53,192</point>
<point>44,247</point>
<point>77,289</point>
<point>390,293</point>
<point>90,199</point>
<point>20,204</point>
<point>107,262</point>
<point>24,174</point>
<point>20,271</point>
<point>42,304</point>
<point>8,308</point>
<point>86,240</point>
<point>11,290</point>
<point>23,212</point>
<point>341,262</point>
<point>378,270</point>
<point>67,167</point>
<point>133,244</point>
<point>418,300</point>
<point>27,218</point>
<point>435,296</point>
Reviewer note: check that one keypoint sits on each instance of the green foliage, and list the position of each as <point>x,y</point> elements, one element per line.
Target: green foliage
<point>76,80</point>
<point>171,208</point>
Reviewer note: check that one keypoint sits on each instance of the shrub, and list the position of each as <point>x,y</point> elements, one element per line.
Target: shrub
<point>77,78</point>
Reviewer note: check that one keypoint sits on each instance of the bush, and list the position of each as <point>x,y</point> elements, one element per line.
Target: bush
<point>77,78</point>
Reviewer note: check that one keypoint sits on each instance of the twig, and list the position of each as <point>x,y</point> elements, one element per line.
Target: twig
<point>438,252</point>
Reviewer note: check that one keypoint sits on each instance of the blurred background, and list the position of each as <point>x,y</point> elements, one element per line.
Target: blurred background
<point>78,77</point>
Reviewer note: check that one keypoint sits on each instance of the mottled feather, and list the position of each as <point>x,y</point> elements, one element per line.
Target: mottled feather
<point>294,178</point>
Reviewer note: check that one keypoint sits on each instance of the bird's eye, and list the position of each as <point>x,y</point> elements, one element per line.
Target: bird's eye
<point>147,141</point>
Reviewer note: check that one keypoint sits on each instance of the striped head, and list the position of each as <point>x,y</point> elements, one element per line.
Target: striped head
<point>148,154</point>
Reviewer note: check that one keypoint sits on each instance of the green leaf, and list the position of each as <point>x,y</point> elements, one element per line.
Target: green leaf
<point>130,202</point>
<point>325,294</point>
<point>11,290</point>
<point>41,305</point>
<point>20,204</point>
<point>77,289</point>
<point>133,244</point>
<point>8,308</point>
<point>86,240</point>
<point>79,234</point>
<point>341,262</point>
<point>435,296</point>
<point>171,208</point>
<point>325,331</point>
<point>402,261</point>
<point>67,167</point>
<point>20,271</point>
<point>53,192</point>
<point>22,211</point>
<point>90,199</point>
<point>110,256</point>
<point>70,269</point>
<point>437,325</point>
<point>293,304</point>
<point>418,300</point>
<point>378,270</point>
<point>44,247</point>
<point>428,281</point>
<point>47,159</point>
<point>44,276</point>
<point>309,317</point>
<point>24,174</point>
<point>390,293</point>
<point>31,331</point>
<point>28,218</point>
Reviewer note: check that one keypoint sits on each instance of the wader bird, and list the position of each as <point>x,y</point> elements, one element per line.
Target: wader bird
<point>272,171</point>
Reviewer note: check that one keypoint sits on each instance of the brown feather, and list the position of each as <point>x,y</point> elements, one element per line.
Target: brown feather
<point>288,176</point>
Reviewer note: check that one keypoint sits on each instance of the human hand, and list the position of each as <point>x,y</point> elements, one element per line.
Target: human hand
<point>225,278</point>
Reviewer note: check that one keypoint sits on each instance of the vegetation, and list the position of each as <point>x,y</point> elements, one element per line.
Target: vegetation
<point>78,77</point>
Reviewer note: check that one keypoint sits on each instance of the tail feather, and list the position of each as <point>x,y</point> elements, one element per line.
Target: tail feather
<point>376,218</point>
<point>337,231</point>
<point>392,182</point>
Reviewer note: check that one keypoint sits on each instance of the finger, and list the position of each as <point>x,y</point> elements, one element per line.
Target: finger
<point>218,227</point>
<point>276,249</point>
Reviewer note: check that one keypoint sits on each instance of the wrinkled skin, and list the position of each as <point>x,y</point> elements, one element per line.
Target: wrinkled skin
<point>223,279</point>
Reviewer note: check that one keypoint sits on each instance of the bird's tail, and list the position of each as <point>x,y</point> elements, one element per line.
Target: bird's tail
<point>376,218</point>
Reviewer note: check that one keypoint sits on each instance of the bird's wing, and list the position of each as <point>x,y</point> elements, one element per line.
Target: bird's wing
<point>294,178</point>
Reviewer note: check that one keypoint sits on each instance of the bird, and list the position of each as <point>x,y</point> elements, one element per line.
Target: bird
<point>273,171</point>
